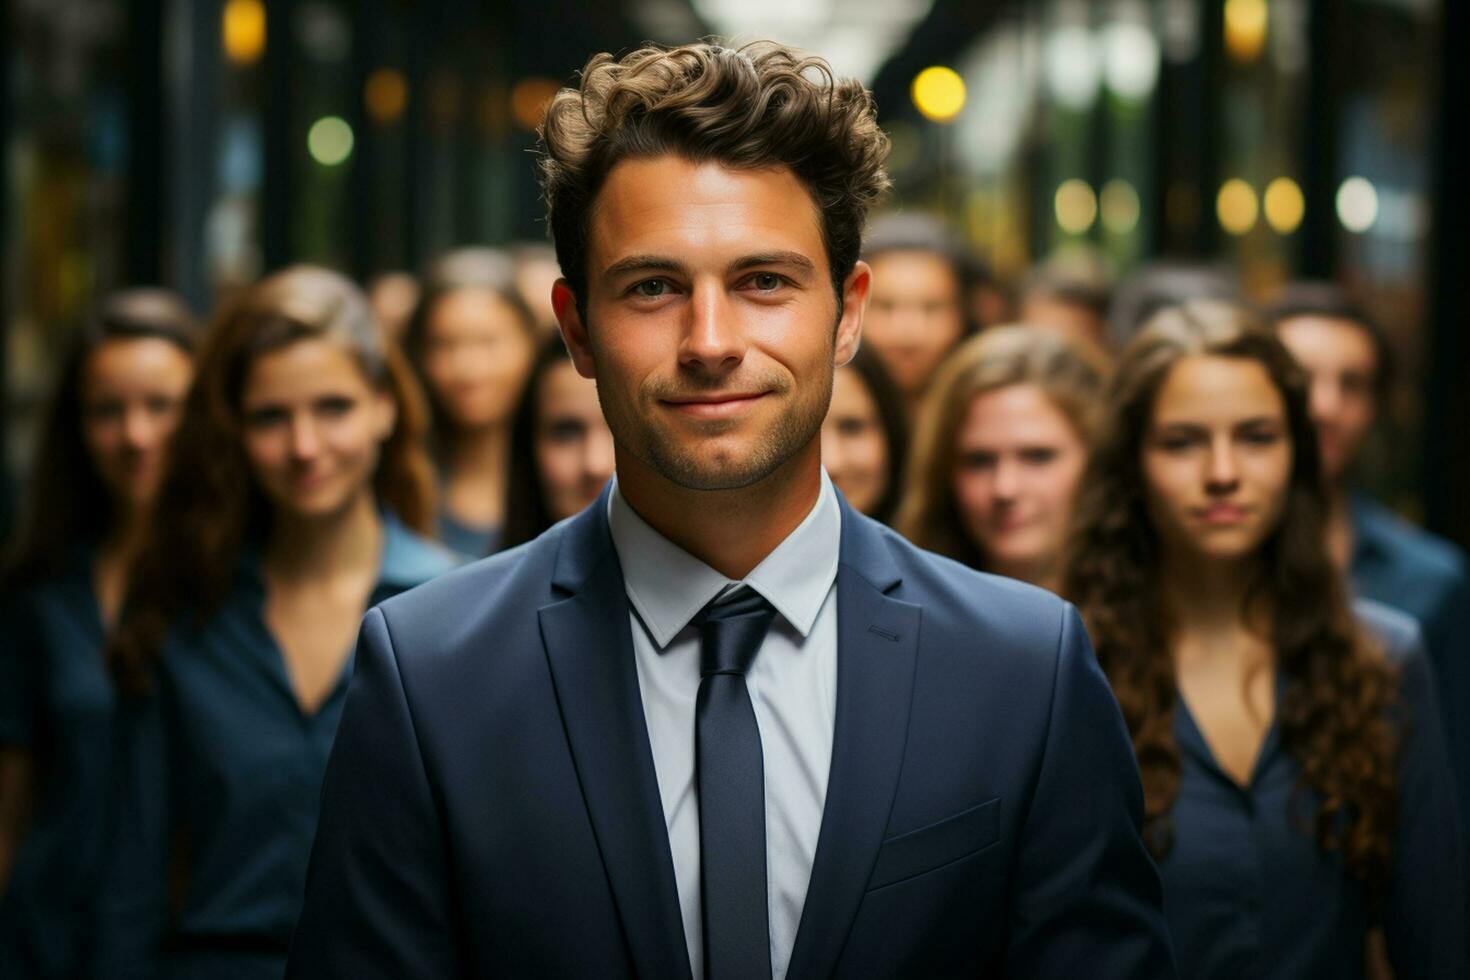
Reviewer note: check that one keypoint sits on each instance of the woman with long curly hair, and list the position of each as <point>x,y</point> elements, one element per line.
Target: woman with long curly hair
<point>1298,795</point>
<point>999,452</point>
<point>97,467</point>
<point>295,497</point>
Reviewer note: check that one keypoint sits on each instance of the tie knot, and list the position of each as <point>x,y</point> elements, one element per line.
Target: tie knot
<point>731,630</point>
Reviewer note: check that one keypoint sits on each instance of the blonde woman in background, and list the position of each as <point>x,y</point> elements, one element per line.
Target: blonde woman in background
<point>999,452</point>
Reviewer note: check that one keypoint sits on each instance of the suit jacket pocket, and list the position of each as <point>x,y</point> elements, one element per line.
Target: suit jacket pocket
<point>936,845</point>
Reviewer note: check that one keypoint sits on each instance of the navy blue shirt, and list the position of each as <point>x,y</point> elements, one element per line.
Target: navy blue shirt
<point>1425,576</point>
<point>1249,893</point>
<point>56,701</point>
<point>222,783</point>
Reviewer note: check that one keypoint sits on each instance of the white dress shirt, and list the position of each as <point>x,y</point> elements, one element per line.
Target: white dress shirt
<point>792,684</point>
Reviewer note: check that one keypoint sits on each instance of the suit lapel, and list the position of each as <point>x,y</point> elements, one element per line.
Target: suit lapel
<point>877,640</point>
<point>590,650</point>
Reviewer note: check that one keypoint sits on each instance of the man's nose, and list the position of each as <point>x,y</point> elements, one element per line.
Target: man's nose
<point>712,340</point>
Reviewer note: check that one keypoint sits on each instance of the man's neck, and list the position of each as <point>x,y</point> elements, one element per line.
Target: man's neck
<point>731,531</point>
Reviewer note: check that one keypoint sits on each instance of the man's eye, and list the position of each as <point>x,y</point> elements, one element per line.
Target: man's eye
<point>651,288</point>
<point>766,281</point>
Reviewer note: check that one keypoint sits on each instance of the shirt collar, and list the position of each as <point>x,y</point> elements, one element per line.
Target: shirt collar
<point>667,586</point>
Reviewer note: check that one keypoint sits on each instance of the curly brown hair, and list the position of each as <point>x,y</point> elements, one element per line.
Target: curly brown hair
<point>761,105</point>
<point>1073,379</point>
<point>209,507</point>
<point>1333,712</point>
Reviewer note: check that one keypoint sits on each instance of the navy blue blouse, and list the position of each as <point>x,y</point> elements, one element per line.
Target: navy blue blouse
<point>1248,892</point>
<point>56,701</point>
<point>1409,569</point>
<point>222,781</point>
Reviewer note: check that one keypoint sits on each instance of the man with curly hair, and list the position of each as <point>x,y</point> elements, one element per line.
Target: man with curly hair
<point>720,724</point>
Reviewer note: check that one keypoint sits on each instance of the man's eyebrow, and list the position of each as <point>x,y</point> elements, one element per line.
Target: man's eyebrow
<point>774,258</point>
<point>641,263</point>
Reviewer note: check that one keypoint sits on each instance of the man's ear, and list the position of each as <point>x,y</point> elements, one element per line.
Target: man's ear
<point>855,292</point>
<point>573,330</point>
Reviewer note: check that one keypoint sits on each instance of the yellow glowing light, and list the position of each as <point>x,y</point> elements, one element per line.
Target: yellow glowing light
<point>529,99</point>
<point>1245,28</point>
<point>1357,204</point>
<point>1076,206</point>
<point>329,141</point>
<point>242,31</point>
<point>939,93</point>
<point>1236,206</point>
<point>385,95</point>
<point>1120,207</point>
<point>1284,205</point>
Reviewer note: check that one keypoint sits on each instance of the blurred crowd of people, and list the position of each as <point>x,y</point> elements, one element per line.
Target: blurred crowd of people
<point>211,510</point>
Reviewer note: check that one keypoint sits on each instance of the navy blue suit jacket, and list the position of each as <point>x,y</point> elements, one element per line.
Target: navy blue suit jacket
<point>491,808</point>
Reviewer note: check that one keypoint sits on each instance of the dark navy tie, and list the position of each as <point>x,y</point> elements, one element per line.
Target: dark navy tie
<point>732,795</point>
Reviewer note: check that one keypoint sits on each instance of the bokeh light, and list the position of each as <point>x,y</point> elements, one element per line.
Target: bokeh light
<point>1245,28</point>
<point>1130,59</point>
<point>1076,206</point>
<point>1236,206</point>
<point>1073,66</point>
<point>1119,206</point>
<point>386,95</point>
<point>1357,204</point>
<point>329,141</point>
<point>529,99</point>
<point>242,31</point>
<point>1284,205</point>
<point>939,93</point>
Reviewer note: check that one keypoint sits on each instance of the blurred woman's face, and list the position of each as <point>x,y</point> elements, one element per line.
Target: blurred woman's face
<point>854,446</point>
<point>574,449</point>
<point>132,393</point>
<point>1018,462</point>
<point>313,427</point>
<point>1216,458</point>
<point>477,354</point>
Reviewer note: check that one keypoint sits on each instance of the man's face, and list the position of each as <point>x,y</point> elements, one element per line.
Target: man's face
<point>711,324</point>
<point>1342,365</point>
<point>917,315</point>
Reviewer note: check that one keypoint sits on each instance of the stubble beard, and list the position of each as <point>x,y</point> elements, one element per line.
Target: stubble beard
<point>688,464</point>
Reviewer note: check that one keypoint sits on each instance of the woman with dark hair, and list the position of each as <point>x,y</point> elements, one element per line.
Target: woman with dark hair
<point>561,452</point>
<point>865,436</point>
<point>1000,450</point>
<point>471,341</point>
<point>291,503</point>
<point>1297,789</point>
<point>98,464</point>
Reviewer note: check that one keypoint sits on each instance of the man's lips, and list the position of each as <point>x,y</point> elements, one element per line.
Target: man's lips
<point>714,406</point>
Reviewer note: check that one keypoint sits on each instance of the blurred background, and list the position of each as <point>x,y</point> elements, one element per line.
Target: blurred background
<point>197,143</point>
